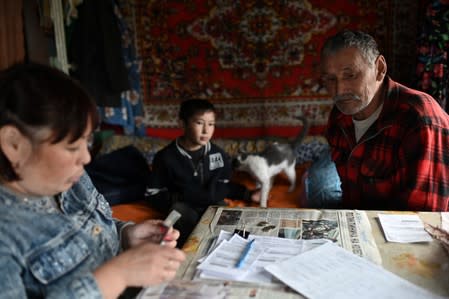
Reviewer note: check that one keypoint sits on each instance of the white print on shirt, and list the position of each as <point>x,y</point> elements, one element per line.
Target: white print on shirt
<point>215,161</point>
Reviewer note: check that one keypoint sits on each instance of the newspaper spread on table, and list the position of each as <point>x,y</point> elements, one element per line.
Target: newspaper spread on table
<point>349,229</point>
<point>208,289</point>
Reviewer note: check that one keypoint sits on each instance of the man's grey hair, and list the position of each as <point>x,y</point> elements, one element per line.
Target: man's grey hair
<point>362,41</point>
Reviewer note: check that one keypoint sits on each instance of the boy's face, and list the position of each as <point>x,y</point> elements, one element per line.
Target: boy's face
<point>199,129</point>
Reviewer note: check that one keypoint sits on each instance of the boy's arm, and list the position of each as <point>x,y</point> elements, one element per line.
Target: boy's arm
<point>218,188</point>
<point>211,193</point>
<point>233,190</point>
<point>157,188</point>
<point>162,186</point>
<point>239,192</point>
<point>164,189</point>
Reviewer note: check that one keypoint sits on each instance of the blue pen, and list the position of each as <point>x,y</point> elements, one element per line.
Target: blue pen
<point>245,253</point>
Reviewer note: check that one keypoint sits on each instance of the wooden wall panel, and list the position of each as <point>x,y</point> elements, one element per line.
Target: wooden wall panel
<point>11,33</point>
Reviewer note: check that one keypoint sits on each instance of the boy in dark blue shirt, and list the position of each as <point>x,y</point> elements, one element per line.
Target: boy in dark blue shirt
<point>191,173</point>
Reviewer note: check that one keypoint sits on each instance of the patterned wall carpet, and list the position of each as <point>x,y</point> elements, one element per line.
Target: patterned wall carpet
<point>256,60</point>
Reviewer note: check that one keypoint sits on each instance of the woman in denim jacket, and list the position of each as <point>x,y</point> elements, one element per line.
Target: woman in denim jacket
<point>58,237</point>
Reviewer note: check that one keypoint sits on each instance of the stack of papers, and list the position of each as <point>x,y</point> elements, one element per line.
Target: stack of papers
<point>314,268</point>
<point>223,259</point>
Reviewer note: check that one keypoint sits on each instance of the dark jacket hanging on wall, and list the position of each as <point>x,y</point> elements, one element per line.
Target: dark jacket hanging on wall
<point>95,51</point>
<point>121,176</point>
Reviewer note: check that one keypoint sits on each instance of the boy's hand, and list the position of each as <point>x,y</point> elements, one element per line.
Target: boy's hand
<point>255,195</point>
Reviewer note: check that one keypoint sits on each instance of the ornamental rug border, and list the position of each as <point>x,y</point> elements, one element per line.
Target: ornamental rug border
<point>248,113</point>
<point>232,49</point>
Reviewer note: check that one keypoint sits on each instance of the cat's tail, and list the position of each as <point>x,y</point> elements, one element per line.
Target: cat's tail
<point>305,130</point>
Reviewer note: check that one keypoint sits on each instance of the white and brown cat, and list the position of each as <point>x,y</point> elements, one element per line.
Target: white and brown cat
<point>274,159</point>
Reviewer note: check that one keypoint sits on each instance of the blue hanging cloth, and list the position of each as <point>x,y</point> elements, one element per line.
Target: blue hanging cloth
<point>131,113</point>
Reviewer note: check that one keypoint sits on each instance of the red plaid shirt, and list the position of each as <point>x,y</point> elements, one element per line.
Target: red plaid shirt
<point>402,161</point>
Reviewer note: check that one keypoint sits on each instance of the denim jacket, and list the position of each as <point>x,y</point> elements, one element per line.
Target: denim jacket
<point>52,254</point>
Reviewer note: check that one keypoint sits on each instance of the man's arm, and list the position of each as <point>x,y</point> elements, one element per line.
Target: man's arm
<point>425,169</point>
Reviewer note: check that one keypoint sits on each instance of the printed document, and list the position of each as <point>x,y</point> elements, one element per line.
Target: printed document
<point>330,271</point>
<point>403,228</point>
<point>221,262</point>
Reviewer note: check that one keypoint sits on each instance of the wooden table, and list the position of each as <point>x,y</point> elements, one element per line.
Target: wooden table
<point>424,264</point>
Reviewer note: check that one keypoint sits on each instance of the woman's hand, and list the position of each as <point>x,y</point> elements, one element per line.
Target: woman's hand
<point>148,231</point>
<point>143,265</point>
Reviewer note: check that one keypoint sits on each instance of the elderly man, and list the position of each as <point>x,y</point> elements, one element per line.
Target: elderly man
<point>390,143</point>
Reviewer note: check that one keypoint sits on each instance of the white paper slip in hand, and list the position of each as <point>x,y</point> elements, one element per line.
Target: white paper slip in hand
<point>403,228</point>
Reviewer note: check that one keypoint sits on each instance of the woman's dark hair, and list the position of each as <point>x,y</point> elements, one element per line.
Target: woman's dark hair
<point>33,97</point>
<point>192,107</point>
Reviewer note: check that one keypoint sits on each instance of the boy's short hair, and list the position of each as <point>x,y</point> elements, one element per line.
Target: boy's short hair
<point>191,107</point>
